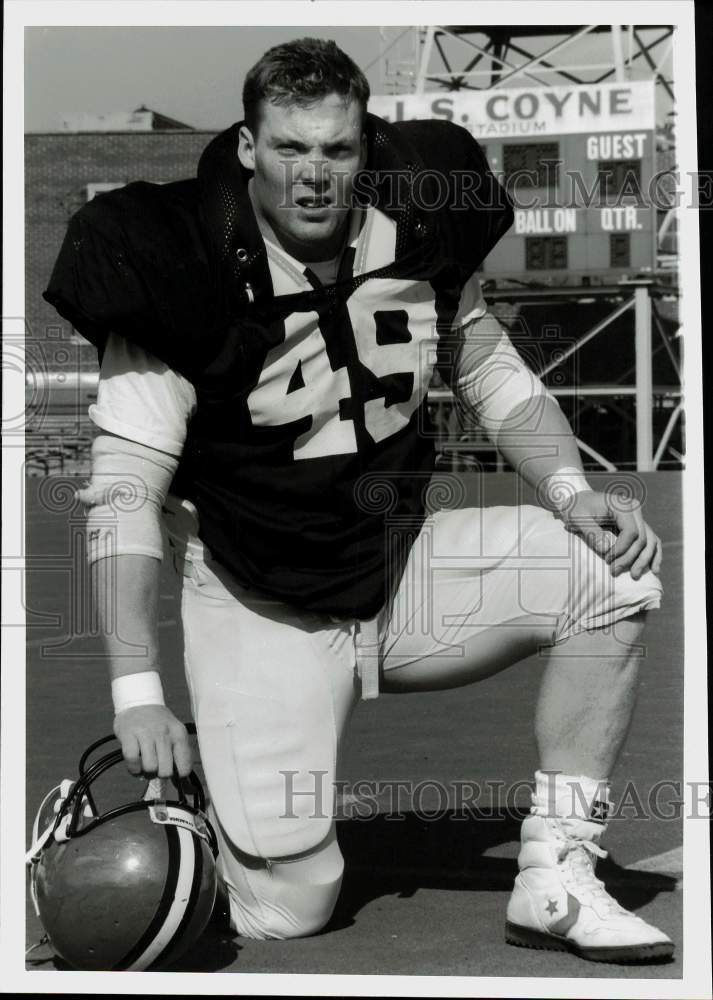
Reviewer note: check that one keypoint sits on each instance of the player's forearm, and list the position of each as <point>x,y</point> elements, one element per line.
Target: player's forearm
<point>153,741</point>
<point>124,546</point>
<point>537,441</point>
<point>125,591</point>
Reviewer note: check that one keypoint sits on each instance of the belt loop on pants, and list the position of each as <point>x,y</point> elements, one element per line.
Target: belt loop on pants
<point>182,564</point>
<point>366,643</point>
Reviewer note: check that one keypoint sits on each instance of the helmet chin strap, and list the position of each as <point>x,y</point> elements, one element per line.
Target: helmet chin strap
<point>39,843</point>
<point>44,940</point>
<point>53,827</point>
<point>156,789</point>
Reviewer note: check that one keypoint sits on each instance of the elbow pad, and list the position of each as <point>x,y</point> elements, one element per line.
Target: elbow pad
<point>497,383</point>
<point>125,495</point>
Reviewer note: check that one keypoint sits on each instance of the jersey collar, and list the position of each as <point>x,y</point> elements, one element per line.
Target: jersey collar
<point>238,250</point>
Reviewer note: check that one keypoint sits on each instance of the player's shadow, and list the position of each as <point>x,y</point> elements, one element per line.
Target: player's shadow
<point>399,854</point>
<point>217,948</point>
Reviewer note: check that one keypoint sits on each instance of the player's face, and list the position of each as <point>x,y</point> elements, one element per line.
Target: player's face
<point>304,161</point>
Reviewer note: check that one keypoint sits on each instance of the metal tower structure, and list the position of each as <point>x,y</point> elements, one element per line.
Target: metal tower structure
<point>438,59</point>
<point>484,57</point>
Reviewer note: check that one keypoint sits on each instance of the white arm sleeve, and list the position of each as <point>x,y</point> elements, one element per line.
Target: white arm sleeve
<point>125,496</point>
<point>143,408</point>
<point>489,377</point>
<point>141,398</point>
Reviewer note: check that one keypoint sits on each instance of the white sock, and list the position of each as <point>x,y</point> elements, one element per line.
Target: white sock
<point>567,796</point>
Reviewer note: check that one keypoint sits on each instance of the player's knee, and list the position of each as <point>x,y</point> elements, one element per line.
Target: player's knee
<point>288,898</point>
<point>602,600</point>
<point>630,630</point>
<point>631,598</point>
<point>285,909</point>
<point>299,911</point>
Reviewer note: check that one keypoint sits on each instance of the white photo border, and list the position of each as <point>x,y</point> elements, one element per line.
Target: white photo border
<point>20,14</point>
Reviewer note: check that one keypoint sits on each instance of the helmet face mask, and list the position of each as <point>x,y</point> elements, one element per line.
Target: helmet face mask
<point>129,888</point>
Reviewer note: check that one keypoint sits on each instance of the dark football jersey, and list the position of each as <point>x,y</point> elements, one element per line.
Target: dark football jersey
<point>311,448</point>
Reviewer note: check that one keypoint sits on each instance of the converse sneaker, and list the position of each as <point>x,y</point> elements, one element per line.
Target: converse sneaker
<point>558,903</point>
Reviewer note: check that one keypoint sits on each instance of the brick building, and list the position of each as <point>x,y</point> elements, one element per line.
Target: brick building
<point>62,171</point>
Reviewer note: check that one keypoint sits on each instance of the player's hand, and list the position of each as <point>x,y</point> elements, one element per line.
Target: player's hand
<point>152,741</point>
<point>615,528</point>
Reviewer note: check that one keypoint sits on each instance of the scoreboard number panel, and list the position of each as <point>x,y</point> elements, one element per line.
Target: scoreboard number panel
<point>532,164</point>
<point>591,213</point>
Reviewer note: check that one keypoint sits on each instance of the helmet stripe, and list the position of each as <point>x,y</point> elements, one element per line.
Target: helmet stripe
<point>164,906</point>
<point>178,904</point>
<point>189,909</point>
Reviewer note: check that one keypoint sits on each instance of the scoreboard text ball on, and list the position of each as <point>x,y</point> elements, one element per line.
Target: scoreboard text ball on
<point>579,163</point>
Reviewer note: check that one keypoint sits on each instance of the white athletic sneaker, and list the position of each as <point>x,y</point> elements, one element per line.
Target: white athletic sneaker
<point>558,903</point>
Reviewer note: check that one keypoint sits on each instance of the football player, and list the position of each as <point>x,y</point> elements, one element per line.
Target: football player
<point>268,331</point>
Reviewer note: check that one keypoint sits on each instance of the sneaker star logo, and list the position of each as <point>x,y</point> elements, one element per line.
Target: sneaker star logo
<point>599,811</point>
<point>551,906</point>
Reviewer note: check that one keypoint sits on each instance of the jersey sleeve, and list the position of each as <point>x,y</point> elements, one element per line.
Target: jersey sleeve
<point>478,210</point>
<point>134,262</point>
<point>141,398</point>
<point>454,341</point>
<point>483,208</point>
<point>472,305</point>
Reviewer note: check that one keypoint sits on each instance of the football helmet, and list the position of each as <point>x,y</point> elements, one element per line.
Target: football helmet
<point>130,888</point>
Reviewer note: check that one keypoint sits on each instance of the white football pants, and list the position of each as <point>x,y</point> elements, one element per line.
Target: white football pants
<point>272,687</point>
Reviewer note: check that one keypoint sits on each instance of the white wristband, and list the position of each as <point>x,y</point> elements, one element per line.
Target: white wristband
<point>143,688</point>
<point>560,487</point>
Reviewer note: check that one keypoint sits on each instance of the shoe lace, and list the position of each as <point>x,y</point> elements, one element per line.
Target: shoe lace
<point>577,859</point>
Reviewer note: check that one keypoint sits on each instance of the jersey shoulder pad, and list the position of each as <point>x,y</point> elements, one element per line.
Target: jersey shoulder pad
<point>478,208</point>
<point>131,262</point>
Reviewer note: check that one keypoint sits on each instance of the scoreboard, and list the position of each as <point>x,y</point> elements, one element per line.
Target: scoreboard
<point>579,163</point>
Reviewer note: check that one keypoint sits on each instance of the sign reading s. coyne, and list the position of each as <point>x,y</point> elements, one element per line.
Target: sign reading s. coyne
<point>536,111</point>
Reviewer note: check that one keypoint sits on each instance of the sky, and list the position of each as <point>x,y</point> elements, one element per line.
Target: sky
<point>194,74</point>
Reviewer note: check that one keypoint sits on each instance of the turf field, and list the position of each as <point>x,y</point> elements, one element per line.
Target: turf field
<point>426,883</point>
